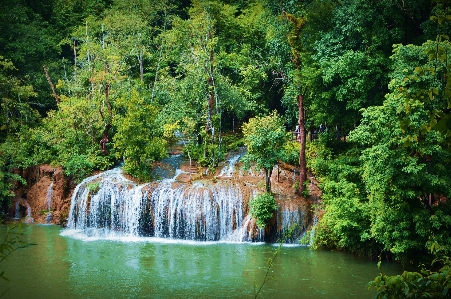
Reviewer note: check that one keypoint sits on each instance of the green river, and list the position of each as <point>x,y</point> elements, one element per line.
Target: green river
<point>62,266</point>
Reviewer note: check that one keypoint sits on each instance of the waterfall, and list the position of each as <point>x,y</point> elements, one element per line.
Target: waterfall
<point>110,205</point>
<point>17,215</point>
<point>227,171</point>
<point>106,200</point>
<point>48,199</point>
<point>28,218</point>
<point>195,212</point>
<point>190,212</point>
<point>312,232</point>
<point>17,211</point>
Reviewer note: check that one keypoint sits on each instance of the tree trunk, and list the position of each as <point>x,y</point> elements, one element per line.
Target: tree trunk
<point>75,61</point>
<point>51,85</point>
<point>108,125</point>
<point>302,162</point>
<point>141,67</point>
<point>268,173</point>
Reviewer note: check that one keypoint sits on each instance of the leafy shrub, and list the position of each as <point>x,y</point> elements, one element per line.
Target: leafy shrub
<point>424,284</point>
<point>78,167</point>
<point>93,187</point>
<point>262,207</point>
<point>206,154</point>
<point>233,142</point>
<point>291,152</point>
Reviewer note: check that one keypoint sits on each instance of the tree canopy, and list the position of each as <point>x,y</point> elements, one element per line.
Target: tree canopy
<point>264,137</point>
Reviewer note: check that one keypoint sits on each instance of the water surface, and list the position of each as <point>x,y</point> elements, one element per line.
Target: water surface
<point>61,266</point>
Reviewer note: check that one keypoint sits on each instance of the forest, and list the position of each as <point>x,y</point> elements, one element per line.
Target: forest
<point>89,84</point>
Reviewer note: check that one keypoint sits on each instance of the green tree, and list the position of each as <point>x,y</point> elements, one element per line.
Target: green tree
<point>16,117</point>
<point>262,208</point>
<point>427,83</point>
<point>265,137</point>
<point>70,137</point>
<point>346,222</point>
<point>15,110</point>
<point>431,282</point>
<point>406,163</point>
<point>352,57</point>
<point>137,140</point>
<point>212,73</point>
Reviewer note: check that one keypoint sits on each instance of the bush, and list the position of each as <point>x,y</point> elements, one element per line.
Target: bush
<point>262,207</point>
<point>424,284</point>
<point>78,167</point>
<point>291,152</point>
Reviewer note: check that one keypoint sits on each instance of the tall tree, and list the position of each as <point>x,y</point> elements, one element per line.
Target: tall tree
<point>28,39</point>
<point>406,162</point>
<point>352,56</point>
<point>212,72</point>
<point>294,39</point>
<point>16,117</point>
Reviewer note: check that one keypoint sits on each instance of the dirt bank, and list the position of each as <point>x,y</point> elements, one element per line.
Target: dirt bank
<point>45,198</point>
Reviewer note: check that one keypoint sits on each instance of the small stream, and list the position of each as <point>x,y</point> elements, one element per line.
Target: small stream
<point>137,267</point>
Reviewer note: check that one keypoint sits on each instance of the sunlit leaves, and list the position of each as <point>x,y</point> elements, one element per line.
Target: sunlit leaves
<point>137,139</point>
<point>264,137</point>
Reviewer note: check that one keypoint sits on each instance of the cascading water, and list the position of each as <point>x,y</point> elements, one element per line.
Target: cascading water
<point>28,218</point>
<point>48,199</point>
<point>48,203</point>
<point>194,212</point>
<point>227,171</point>
<point>17,211</point>
<point>108,205</point>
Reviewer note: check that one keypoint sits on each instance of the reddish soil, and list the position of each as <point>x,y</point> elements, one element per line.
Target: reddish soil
<point>34,195</point>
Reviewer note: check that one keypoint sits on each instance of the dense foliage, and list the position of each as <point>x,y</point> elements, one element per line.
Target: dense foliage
<point>88,84</point>
<point>262,208</point>
<point>264,138</point>
<point>431,282</point>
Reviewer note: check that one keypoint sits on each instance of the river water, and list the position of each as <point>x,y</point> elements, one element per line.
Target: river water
<point>63,266</point>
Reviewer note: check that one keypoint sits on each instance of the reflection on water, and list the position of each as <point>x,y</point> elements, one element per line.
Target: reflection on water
<point>64,267</point>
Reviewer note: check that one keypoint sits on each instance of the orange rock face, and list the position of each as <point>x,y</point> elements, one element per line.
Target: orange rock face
<point>45,198</point>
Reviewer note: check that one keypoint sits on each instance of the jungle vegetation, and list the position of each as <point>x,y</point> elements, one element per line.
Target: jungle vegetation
<point>88,83</point>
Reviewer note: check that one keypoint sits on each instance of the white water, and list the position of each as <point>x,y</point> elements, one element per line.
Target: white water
<point>48,199</point>
<point>28,219</point>
<point>228,170</point>
<point>189,212</point>
<point>23,202</point>
<point>17,211</point>
<point>110,206</point>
